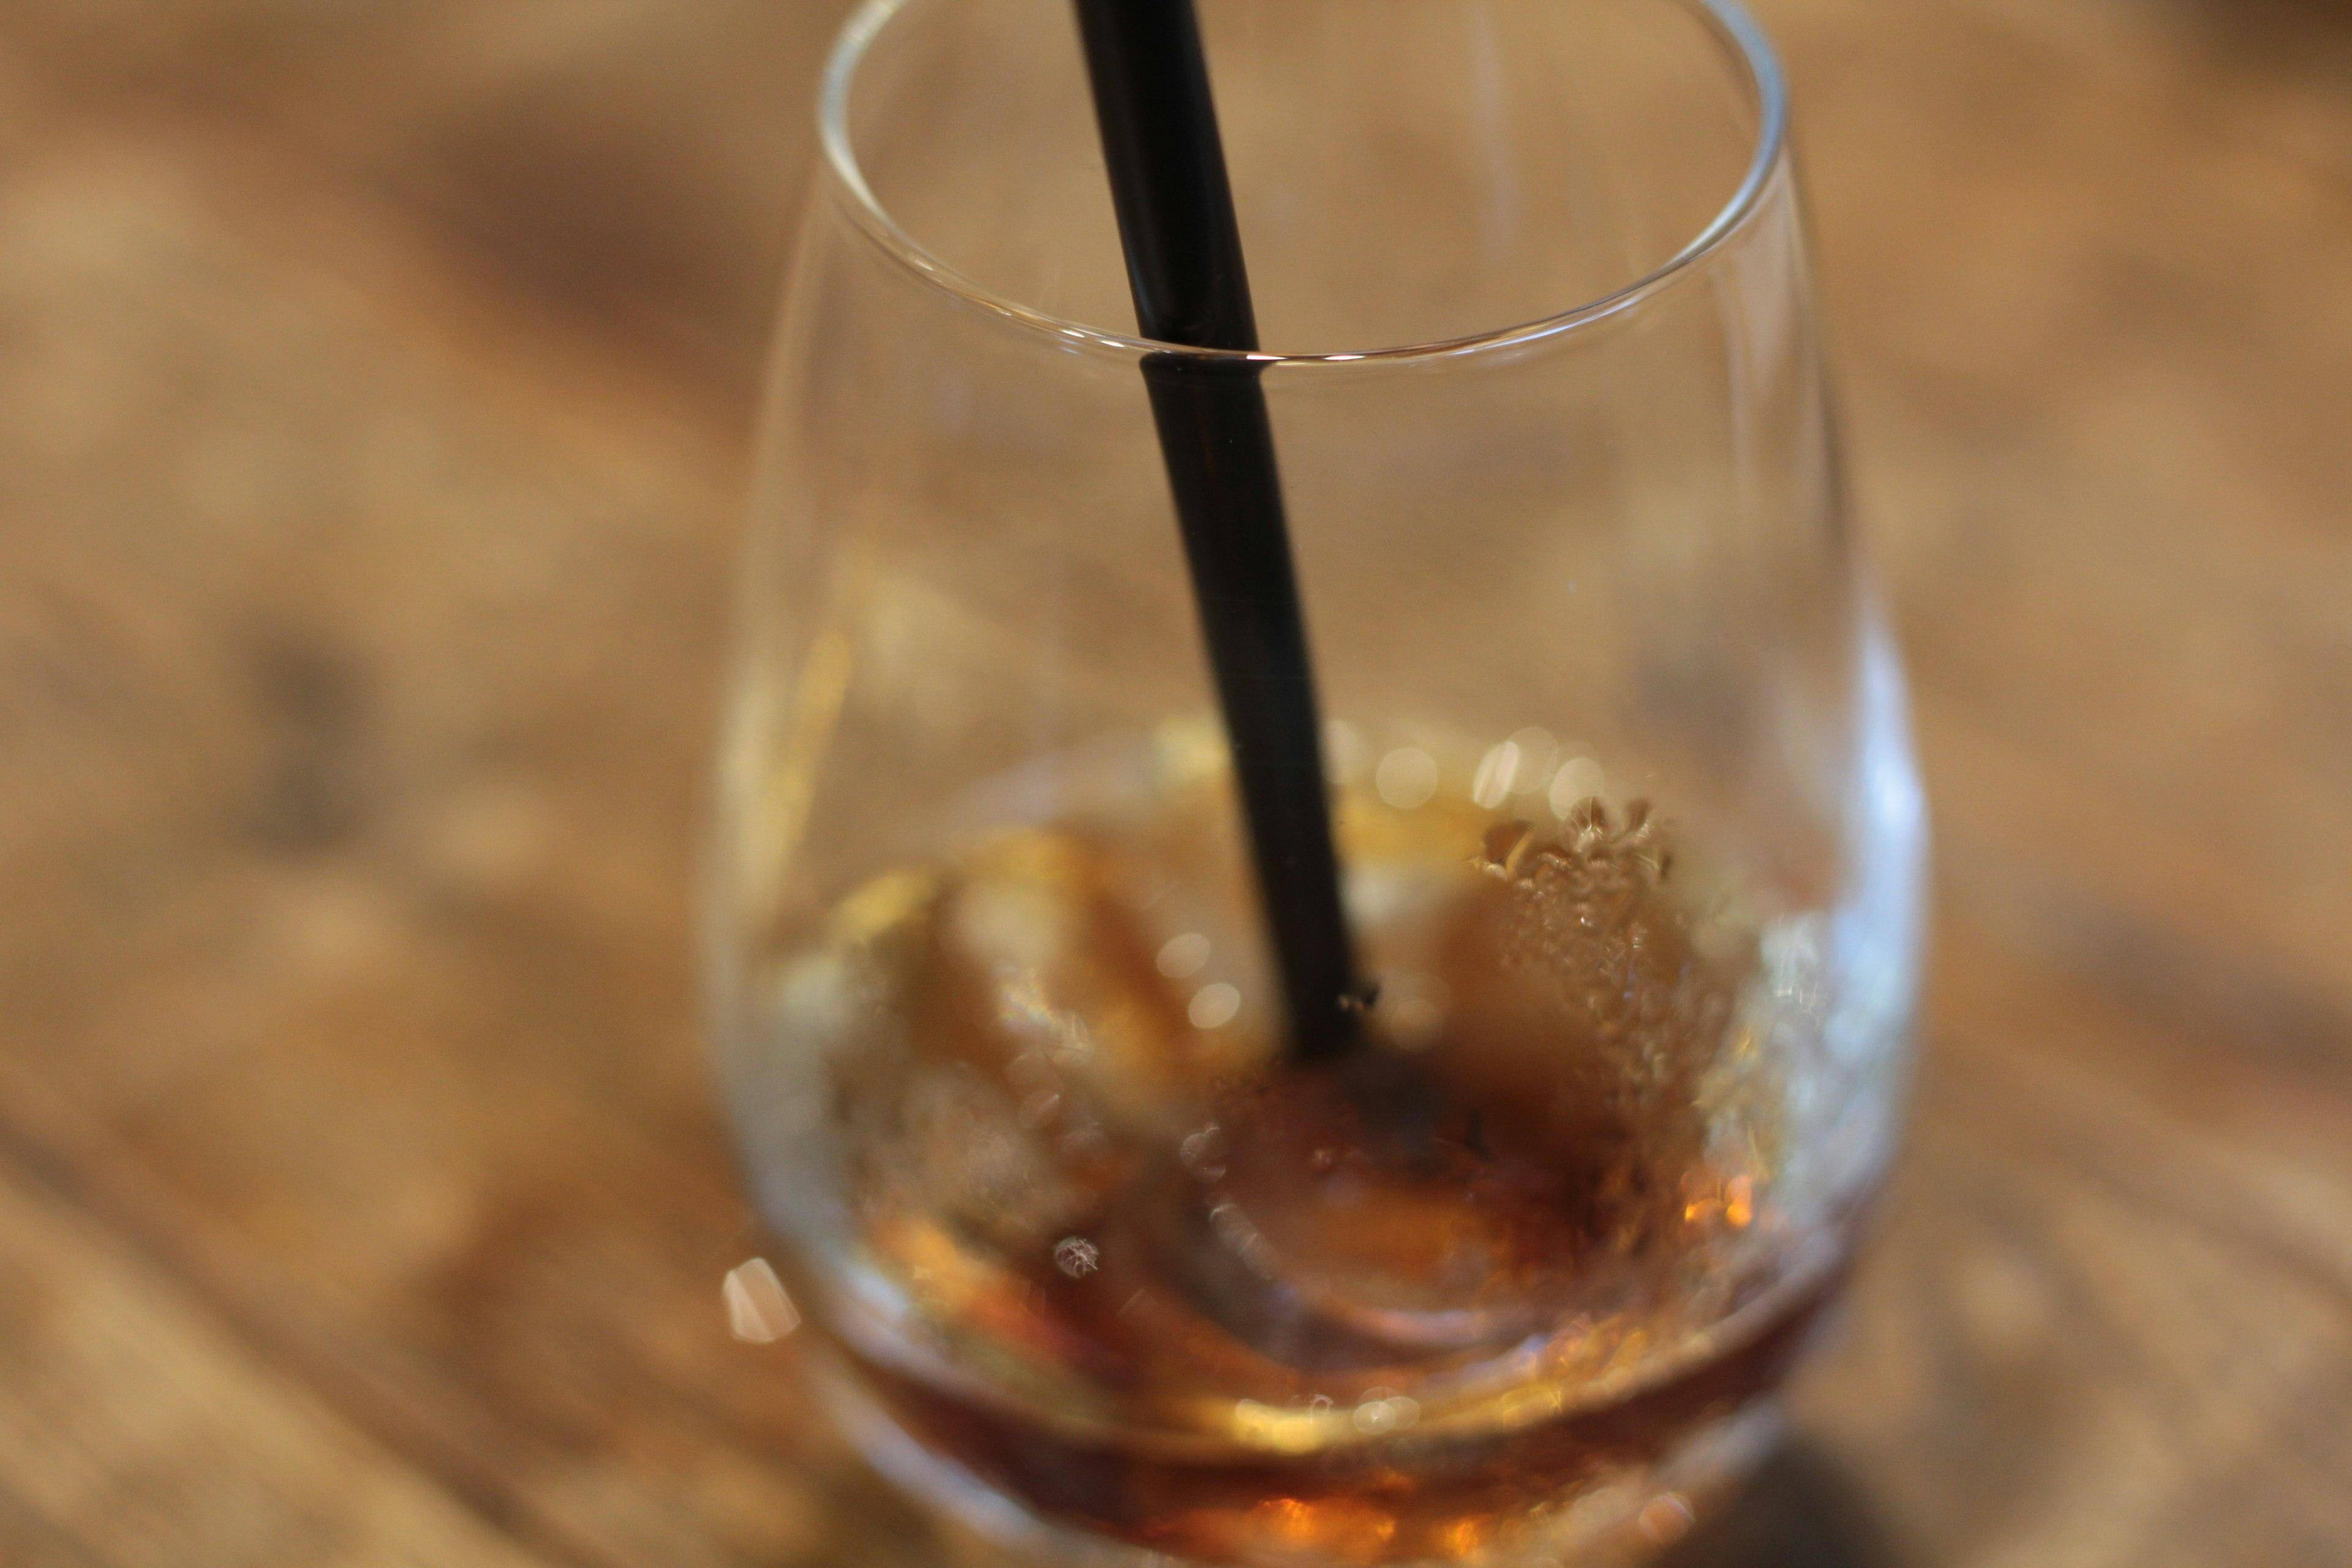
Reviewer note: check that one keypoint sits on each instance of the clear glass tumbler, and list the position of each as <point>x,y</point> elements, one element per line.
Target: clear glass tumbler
<point>1629,826</point>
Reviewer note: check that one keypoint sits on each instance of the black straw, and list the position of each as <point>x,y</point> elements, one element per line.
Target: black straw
<point>1184,267</point>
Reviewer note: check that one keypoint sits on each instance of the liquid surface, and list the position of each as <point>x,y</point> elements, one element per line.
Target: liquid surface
<point>1089,1236</point>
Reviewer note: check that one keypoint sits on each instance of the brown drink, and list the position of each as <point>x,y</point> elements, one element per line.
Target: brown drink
<point>1093,1243</point>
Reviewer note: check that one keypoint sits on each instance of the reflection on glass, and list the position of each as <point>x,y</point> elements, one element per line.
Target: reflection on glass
<point>1622,781</point>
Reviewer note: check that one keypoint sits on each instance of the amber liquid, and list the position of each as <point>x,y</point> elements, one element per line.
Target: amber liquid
<point>1439,1498</point>
<point>1107,1251</point>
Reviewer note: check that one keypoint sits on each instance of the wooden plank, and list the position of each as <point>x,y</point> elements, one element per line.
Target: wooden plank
<point>2095,377</point>
<point>134,1432</point>
<point>640,163</point>
<point>2092,1333</point>
<point>353,924</point>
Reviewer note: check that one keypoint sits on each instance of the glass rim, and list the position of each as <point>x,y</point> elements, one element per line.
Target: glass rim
<point>1732,25</point>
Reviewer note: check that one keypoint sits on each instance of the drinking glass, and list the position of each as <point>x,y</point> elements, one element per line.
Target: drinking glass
<point>1615,741</point>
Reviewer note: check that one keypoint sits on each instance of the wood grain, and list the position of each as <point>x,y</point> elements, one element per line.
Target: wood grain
<point>372,382</point>
<point>282,1477</point>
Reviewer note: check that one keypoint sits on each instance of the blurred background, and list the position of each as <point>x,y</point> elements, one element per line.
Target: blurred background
<point>375,382</point>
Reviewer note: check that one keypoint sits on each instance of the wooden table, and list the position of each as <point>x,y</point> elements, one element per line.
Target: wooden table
<point>372,384</point>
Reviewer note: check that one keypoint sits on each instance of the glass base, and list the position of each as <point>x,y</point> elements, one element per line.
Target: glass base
<point>1620,1523</point>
